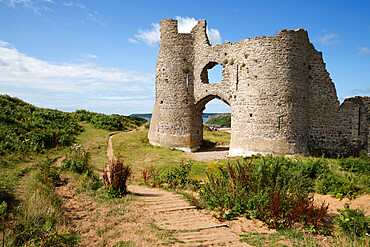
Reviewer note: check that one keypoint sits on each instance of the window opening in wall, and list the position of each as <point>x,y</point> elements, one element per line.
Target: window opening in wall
<point>212,73</point>
<point>187,81</point>
<point>237,77</point>
<point>215,74</point>
<point>359,120</point>
<point>279,122</point>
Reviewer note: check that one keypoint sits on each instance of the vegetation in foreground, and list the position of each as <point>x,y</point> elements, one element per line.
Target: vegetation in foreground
<point>31,140</point>
<point>278,191</point>
<point>268,188</point>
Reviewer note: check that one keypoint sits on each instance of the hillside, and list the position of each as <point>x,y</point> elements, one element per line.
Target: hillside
<point>222,120</point>
<point>24,127</point>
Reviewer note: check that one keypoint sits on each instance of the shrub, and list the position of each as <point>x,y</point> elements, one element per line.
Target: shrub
<point>270,188</point>
<point>217,193</point>
<point>178,176</point>
<point>353,222</point>
<point>227,188</point>
<point>77,161</point>
<point>358,165</point>
<point>337,185</point>
<point>47,173</point>
<point>283,210</point>
<point>146,174</point>
<point>115,178</point>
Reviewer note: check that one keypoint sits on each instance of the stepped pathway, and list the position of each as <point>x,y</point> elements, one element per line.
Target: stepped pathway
<point>190,226</point>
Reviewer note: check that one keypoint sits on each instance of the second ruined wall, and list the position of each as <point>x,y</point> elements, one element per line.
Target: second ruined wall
<point>265,82</point>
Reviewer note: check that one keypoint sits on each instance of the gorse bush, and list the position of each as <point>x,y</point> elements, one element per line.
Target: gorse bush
<point>115,178</point>
<point>24,127</point>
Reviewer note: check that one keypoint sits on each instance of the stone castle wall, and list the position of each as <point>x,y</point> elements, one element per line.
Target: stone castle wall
<point>281,96</point>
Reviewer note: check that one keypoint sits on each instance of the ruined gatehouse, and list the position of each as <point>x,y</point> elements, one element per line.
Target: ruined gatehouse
<point>281,96</point>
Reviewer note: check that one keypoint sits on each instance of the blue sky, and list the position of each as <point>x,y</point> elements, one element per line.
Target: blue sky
<point>101,55</point>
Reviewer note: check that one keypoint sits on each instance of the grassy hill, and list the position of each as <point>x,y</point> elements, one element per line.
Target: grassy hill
<point>222,120</point>
<point>26,128</point>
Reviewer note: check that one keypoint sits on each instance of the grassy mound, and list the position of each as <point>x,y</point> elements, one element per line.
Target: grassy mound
<point>223,120</point>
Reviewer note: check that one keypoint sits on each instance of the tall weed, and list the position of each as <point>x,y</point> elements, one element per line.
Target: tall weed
<point>115,178</point>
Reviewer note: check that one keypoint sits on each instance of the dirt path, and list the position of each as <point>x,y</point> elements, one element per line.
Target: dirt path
<point>171,212</point>
<point>110,153</point>
<point>216,153</point>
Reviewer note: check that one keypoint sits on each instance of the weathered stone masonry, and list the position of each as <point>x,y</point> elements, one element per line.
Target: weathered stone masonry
<point>281,96</point>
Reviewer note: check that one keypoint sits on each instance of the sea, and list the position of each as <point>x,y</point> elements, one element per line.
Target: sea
<point>148,116</point>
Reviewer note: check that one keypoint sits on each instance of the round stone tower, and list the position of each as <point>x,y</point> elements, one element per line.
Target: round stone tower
<point>171,123</point>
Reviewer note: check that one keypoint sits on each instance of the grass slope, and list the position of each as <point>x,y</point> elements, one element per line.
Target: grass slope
<point>222,120</point>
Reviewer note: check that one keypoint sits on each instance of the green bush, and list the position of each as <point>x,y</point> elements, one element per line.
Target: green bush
<point>357,165</point>
<point>179,174</point>
<point>353,222</point>
<point>77,161</point>
<point>273,189</point>
<point>341,186</point>
<point>48,173</point>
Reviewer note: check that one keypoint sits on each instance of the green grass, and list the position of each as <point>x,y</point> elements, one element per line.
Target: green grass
<point>96,140</point>
<point>133,147</point>
<point>279,239</point>
<point>217,137</point>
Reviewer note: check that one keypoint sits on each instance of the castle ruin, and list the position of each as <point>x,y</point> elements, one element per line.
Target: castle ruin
<point>281,97</point>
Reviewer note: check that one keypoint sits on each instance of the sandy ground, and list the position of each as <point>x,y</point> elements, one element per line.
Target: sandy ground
<point>216,153</point>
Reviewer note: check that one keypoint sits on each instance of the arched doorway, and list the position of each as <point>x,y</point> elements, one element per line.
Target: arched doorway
<point>216,124</point>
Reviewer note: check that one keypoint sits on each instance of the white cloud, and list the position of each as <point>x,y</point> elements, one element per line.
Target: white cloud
<point>89,55</point>
<point>329,39</point>
<point>133,40</point>
<point>150,36</point>
<point>361,90</point>
<point>363,51</point>
<point>91,15</point>
<point>185,25</point>
<point>214,36</point>
<point>36,5</point>
<point>72,4</point>
<point>72,86</point>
